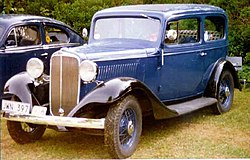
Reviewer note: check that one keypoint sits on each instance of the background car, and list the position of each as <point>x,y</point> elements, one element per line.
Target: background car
<point>166,60</point>
<point>25,36</point>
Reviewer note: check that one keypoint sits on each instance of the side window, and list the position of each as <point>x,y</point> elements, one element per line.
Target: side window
<point>214,28</point>
<point>55,35</point>
<point>23,36</point>
<point>183,31</point>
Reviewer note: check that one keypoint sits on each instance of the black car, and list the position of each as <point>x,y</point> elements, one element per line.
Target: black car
<point>26,36</point>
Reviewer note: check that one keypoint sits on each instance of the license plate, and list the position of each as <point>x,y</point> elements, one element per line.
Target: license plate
<point>39,111</point>
<point>15,107</point>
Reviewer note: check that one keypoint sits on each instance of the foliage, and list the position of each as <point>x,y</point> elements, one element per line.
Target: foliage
<point>245,73</point>
<point>247,59</point>
<point>78,14</point>
<point>239,25</point>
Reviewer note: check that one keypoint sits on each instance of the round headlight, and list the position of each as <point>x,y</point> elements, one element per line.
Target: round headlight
<point>88,71</point>
<point>35,67</point>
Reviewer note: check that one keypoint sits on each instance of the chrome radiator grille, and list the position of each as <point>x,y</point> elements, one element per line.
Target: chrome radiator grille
<point>65,82</point>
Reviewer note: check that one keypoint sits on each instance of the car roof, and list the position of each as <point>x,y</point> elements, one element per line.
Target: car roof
<point>167,8</point>
<point>10,19</point>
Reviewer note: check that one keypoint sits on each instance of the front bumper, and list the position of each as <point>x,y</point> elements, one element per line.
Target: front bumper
<point>56,120</point>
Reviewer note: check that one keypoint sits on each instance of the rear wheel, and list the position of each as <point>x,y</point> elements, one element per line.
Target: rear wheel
<point>225,93</point>
<point>123,126</point>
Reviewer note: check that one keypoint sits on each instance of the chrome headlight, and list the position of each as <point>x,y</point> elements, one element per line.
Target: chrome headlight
<point>35,67</point>
<point>88,71</point>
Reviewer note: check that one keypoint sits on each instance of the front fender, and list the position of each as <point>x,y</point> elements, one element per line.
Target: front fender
<point>105,93</point>
<point>113,90</point>
<point>18,86</point>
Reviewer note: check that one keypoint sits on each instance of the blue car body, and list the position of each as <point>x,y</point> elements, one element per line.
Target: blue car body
<point>165,60</point>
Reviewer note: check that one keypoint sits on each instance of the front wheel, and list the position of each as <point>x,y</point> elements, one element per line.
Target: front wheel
<point>225,93</point>
<point>123,126</point>
<point>23,133</point>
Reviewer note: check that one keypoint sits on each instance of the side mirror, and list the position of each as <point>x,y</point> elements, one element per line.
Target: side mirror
<point>84,33</point>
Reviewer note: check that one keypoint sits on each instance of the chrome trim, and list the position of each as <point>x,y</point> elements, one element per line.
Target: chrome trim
<point>61,80</point>
<point>162,57</point>
<point>15,36</point>
<point>61,45</point>
<point>57,120</point>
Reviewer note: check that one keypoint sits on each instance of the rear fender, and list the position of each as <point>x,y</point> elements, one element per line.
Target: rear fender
<point>115,89</point>
<point>213,83</point>
<point>18,86</point>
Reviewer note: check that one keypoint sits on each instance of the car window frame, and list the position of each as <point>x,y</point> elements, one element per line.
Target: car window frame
<point>55,25</point>
<point>13,27</point>
<point>225,30</point>
<point>14,46</point>
<point>176,18</point>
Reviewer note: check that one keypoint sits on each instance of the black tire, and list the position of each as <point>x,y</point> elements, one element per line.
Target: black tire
<point>123,126</point>
<point>225,93</point>
<point>24,133</point>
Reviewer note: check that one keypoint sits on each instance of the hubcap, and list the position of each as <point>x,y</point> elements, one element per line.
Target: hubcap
<point>130,128</point>
<point>26,127</point>
<point>227,91</point>
<point>224,93</point>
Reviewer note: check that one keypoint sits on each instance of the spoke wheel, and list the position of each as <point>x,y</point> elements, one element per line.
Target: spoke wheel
<point>123,127</point>
<point>127,127</point>
<point>225,93</point>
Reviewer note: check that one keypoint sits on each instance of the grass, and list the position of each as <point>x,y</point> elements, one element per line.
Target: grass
<point>200,134</point>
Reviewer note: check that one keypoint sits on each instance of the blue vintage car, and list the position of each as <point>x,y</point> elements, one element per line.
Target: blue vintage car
<point>165,60</point>
<point>24,36</point>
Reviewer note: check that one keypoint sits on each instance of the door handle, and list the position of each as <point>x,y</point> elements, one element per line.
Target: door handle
<point>202,54</point>
<point>44,54</point>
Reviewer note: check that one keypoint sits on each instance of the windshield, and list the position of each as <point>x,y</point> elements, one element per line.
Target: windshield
<point>135,28</point>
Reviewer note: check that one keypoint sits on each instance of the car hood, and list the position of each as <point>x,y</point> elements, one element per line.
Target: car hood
<point>111,51</point>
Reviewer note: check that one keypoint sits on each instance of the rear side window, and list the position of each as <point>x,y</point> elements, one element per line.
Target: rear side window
<point>214,28</point>
<point>23,36</point>
<point>182,31</point>
<point>55,35</point>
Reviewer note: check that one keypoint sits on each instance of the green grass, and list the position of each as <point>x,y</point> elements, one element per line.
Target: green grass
<point>200,134</point>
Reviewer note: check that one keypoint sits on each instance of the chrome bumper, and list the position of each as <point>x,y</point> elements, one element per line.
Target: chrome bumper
<point>56,120</point>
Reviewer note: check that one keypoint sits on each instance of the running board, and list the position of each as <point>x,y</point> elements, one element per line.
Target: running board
<point>189,106</point>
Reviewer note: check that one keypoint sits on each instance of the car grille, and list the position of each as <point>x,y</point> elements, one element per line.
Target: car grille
<point>65,82</point>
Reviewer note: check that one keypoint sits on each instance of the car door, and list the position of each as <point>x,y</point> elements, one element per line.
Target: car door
<point>55,37</point>
<point>182,60</point>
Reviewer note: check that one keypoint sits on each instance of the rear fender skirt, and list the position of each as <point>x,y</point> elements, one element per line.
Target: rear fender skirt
<point>213,83</point>
<point>18,86</point>
<point>113,90</point>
